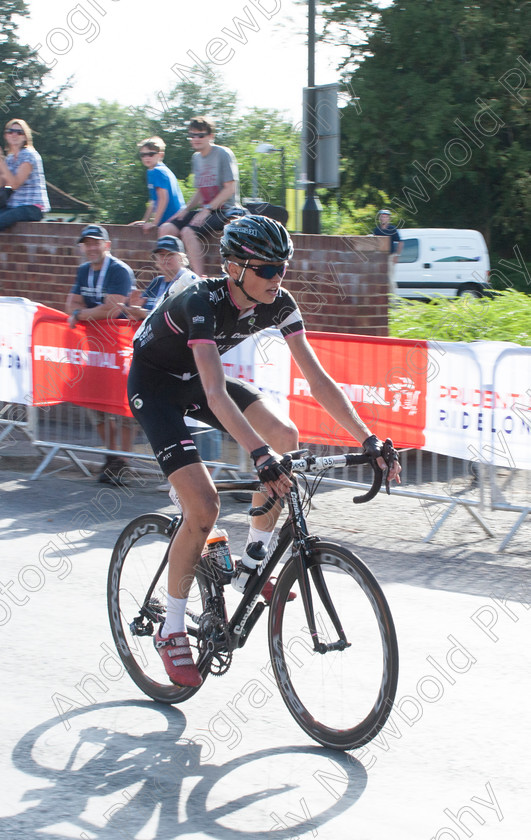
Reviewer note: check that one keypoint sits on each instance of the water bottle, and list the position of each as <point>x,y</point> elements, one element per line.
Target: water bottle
<point>253,556</point>
<point>217,551</point>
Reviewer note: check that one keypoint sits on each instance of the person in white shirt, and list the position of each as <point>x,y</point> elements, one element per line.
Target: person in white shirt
<point>172,262</point>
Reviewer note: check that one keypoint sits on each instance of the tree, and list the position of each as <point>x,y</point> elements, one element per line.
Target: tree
<point>21,72</point>
<point>440,121</point>
<point>202,94</point>
<point>100,159</point>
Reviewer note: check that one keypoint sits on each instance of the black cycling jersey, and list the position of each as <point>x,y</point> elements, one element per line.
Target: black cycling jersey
<point>163,383</point>
<point>206,312</point>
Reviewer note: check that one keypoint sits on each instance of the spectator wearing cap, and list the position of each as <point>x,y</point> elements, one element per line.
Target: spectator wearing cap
<point>103,284</point>
<point>385,228</point>
<point>171,260</point>
<point>165,196</point>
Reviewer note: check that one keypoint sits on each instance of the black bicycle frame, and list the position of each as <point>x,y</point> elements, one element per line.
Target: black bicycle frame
<point>293,531</point>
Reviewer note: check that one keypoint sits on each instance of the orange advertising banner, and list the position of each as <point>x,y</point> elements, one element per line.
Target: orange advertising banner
<point>87,365</point>
<point>384,378</point>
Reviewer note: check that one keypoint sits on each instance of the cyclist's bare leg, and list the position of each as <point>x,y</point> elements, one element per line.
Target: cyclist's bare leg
<point>282,436</point>
<point>200,505</point>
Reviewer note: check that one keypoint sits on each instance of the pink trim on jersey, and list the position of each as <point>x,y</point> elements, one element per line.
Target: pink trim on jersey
<point>200,341</point>
<point>171,324</point>
<point>186,441</point>
<point>299,332</point>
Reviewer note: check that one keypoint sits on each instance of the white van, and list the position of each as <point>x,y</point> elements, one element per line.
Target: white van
<point>442,262</point>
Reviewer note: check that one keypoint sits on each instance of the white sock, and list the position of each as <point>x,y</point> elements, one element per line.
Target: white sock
<point>255,535</point>
<point>175,613</point>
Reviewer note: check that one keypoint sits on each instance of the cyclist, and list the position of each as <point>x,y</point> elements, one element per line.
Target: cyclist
<point>176,369</point>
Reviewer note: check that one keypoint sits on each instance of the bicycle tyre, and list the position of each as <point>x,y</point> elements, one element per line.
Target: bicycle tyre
<point>341,699</point>
<point>136,557</point>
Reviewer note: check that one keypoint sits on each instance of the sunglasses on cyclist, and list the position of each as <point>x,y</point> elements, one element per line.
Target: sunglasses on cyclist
<point>267,272</point>
<point>148,154</point>
<point>14,131</point>
<point>194,134</point>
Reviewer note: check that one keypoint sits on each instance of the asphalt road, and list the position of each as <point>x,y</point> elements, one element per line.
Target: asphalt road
<point>86,755</point>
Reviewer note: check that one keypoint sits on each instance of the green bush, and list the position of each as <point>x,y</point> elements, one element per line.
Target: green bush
<point>506,317</point>
<point>510,272</point>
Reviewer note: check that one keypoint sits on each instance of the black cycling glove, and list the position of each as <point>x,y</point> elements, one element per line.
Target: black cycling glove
<point>273,469</point>
<point>372,446</point>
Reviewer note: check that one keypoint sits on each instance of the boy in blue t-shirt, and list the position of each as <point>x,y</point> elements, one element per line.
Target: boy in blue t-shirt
<point>165,196</point>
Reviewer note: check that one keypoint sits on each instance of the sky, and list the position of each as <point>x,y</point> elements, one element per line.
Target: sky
<point>124,50</point>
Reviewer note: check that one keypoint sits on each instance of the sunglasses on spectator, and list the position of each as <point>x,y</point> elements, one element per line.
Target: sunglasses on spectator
<point>194,134</point>
<point>267,272</point>
<point>148,154</point>
<point>14,131</point>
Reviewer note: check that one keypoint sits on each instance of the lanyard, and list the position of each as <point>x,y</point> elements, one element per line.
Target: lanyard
<point>101,278</point>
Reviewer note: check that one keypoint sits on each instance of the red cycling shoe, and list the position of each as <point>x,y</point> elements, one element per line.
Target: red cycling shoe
<point>269,588</point>
<point>177,659</point>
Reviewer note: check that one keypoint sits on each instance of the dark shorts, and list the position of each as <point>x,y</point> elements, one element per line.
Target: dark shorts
<point>160,401</point>
<point>215,222</point>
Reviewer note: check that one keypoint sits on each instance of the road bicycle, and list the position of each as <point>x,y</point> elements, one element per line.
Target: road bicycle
<point>333,647</point>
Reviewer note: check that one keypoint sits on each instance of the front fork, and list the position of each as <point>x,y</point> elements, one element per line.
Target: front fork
<point>302,553</point>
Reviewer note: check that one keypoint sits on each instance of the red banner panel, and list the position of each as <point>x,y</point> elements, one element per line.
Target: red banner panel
<point>385,379</point>
<point>86,365</point>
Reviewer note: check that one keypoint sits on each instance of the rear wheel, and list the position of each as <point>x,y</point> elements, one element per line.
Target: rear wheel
<point>136,599</point>
<point>342,697</point>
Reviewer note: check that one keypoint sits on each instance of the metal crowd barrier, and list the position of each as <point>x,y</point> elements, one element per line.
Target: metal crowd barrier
<point>14,417</point>
<point>66,432</point>
<point>442,484</point>
<point>510,487</point>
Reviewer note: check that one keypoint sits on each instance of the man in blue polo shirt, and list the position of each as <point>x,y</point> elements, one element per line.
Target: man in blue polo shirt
<point>103,284</point>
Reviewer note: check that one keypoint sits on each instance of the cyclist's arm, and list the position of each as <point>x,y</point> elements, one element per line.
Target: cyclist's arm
<point>324,389</point>
<point>328,393</point>
<point>210,368</point>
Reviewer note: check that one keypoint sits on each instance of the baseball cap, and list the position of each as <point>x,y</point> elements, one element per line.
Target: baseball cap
<point>387,212</point>
<point>94,232</point>
<point>169,243</point>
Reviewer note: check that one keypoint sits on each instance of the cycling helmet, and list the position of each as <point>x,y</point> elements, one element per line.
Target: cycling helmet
<point>256,237</point>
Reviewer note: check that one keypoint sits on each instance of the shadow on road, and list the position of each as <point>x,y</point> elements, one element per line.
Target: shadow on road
<point>114,769</point>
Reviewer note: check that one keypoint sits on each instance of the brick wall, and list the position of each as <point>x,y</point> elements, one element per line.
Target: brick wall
<point>340,282</point>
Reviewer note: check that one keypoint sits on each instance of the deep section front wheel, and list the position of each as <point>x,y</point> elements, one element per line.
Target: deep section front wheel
<point>136,599</point>
<point>341,697</point>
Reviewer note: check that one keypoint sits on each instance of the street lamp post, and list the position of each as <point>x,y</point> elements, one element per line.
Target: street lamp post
<point>311,212</point>
<point>267,149</point>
